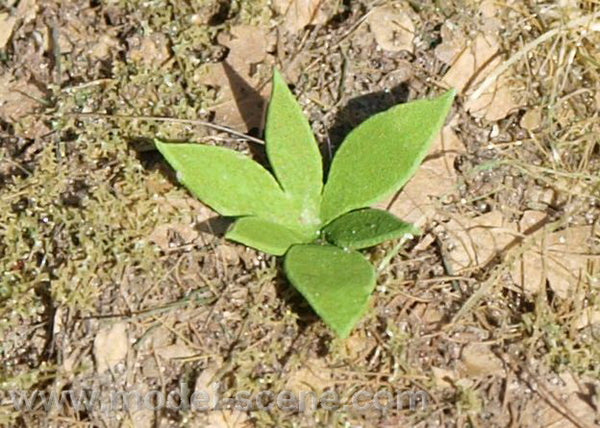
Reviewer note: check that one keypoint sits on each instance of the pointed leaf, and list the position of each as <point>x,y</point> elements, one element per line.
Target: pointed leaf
<point>337,283</point>
<point>381,154</point>
<point>229,182</point>
<point>366,228</point>
<point>264,235</point>
<point>293,151</point>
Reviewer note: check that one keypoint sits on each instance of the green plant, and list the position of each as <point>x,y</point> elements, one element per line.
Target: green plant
<point>318,228</point>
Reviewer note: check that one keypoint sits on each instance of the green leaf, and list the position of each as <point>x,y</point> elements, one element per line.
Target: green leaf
<point>366,228</point>
<point>264,235</point>
<point>293,151</point>
<point>337,283</point>
<point>229,182</point>
<point>381,154</point>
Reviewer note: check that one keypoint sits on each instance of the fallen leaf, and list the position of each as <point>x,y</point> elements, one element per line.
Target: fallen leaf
<point>247,47</point>
<point>312,375</point>
<point>474,242</point>
<point>27,10</point>
<point>358,345</point>
<point>393,27</point>
<point>207,387</point>
<point>527,272</point>
<point>141,416</point>
<point>111,346</point>
<point>490,23</point>
<point>150,50</point>
<point>228,253</point>
<point>206,381</point>
<point>300,13</point>
<point>531,219</point>
<point>572,395</point>
<point>175,351</point>
<point>473,58</point>
<point>532,119</point>
<point>240,104</point>
<point>228,419</point>
<point>435,179</point>
<point>479,360</point>
<point>563,258</point>
<point>453,42</point>
<point>167,236</point>
<point>25,13</point>
<point>175,205</point>
<point>587,318</point>
<point>432,316</point>
<point>17,98</point>
<point>103,48</point>
<point>443,378</point>
<point>476,61</point>
<point>496,102</point>
<point>7,24</point>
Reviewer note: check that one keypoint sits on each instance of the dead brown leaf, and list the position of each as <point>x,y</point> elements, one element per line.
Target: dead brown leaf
<point>563,258</point>
<point>18,100</point>
<point>496,102</point>
<point>532,119</point>
<point>241,102</point>
<point>570,395</point>
<point>478,360</point>
<point>358,345</point>
<point>300,13</point>
<point>475,62</point>
<point>453,42</point>
<point>171,235</point>
<point>174,351</point>
<point>490,23</point>
<point>313,375</point>
<point>7,24</point>
<point>444,378</point>
<point>207,387</point>
<point>104,47</point>
<point>150,50</point>
<point>474,56</point>
<point>393,27</point>
<point>474,242</point>
<point>111,346</point>
<point>227,419</point>
<point>141,416</point>
<point>587,318</point>
<point>25,12</point>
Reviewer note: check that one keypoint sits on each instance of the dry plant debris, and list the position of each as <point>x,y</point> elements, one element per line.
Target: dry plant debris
<point>393,27</point>
<point>241,99</point>
<point>297,14</point>
<point>111,274</point>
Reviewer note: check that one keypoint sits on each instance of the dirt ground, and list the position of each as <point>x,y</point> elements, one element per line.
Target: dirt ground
<point>116,280</point>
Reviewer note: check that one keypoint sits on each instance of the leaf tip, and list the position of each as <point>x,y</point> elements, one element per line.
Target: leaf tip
<point>277,76</point>
<point>161,146</point>
<point>449,95</point>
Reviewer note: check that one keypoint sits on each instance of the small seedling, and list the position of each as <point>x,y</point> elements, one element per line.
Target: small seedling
<point>318,227</point>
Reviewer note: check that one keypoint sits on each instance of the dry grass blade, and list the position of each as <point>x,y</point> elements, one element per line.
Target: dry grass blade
<point>585,21</point>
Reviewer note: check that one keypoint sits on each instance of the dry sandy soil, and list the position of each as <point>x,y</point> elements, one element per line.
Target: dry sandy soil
<point>114,278</point>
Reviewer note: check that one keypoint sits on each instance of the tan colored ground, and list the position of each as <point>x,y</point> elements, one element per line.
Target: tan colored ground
<point>115,279</point>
